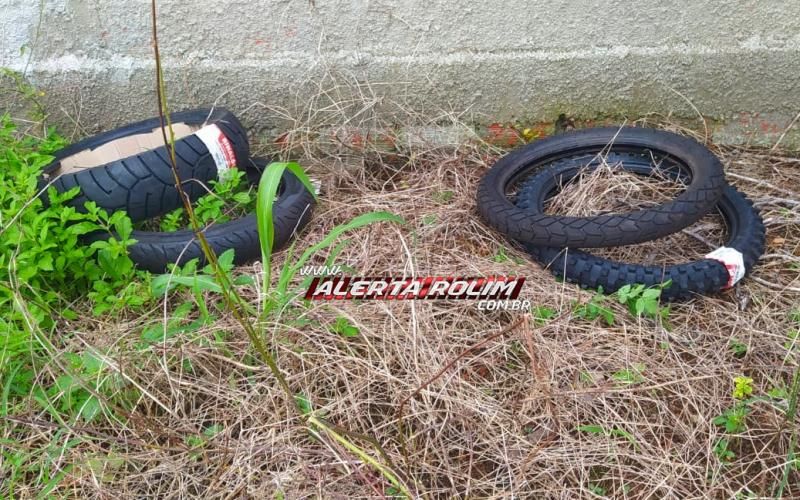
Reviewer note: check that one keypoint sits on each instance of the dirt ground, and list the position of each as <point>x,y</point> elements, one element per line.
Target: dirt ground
<point>560,408</point>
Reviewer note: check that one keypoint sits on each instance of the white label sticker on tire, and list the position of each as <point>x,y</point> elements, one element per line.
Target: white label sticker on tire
<point>733,260</point>
<point>220,148</point>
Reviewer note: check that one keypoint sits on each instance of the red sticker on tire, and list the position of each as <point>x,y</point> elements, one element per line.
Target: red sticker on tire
<point>219,146</point>
<point>733,260</point>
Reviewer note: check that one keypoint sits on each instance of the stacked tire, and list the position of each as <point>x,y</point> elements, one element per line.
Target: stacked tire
<point>131,169</point>
<point>536,171</point>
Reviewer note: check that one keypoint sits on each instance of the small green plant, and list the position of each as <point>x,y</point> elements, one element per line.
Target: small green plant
<point>198,281</point>
<point>594,309</point>
<point>502,256</point>
<point>230,197</point>
<point>172,221</point>
<point>303,403</point>
<point>722,450</point>
<point>429,219</point>
<point>542,314</point>
<point>278,294</point>
<point>743,387</point>
<point>342,326</point>
<point>738,348</point>
<point>178,323</point>
<point>117,290</point>
<point>443,197</point>
<point>629,376</point>
<point>76,392</point>
<point>199,441</point>
<point>597,490</point>
<point>643,301</point>
<point>225,192</point>
<point>734,419</point>
<point>778,392</point>
<point>792,339</point>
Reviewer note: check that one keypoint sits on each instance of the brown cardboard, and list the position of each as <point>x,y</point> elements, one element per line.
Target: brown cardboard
<point>122,148</point>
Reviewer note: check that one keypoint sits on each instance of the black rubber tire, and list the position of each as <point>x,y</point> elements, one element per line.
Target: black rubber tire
<point>706,276</point>
<point>154,251</point>
<point>143,185</point>
<point>606,230</point>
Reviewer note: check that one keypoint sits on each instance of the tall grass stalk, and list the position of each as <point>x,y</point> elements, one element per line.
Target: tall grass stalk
<point>268,188</point>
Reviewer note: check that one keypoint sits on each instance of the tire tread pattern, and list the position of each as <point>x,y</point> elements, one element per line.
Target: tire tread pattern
<point>143,184</point>
<point>154,251</point>
<point>702,277</point>
<point>605,230</point>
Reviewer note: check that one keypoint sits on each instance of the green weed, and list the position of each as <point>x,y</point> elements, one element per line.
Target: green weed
<point>230,198</point>
<point>743,387</point>
<point>342,326</point>
<point>738,348</point>
<point>45,268</point>
<point>734,419</point>
<point>502,256</point>
<point>594,309</point>
<point>278,297</point>
<point>429,219</point>
<point>443,197</point>
<point>722,450</point>
<point>197,442</point>
<point>643,301</point>
<point>640,300</point>
<point>278,294</point>
<point>542,314</point>
<point>629,376</point>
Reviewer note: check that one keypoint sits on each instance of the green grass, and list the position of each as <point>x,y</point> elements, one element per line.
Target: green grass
<point>280,296</point>
<point>48,278</point>
<point>45,272</point>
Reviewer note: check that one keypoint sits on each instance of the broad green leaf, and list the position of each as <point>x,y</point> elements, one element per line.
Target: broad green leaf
<point>163,283</point>
<point>267,189</point>
<point>362,220</point>
<point>303,403</point>
<point>242,198</point>
<point>90,408</point>
<point>244,279</point>
<point>651,293</point>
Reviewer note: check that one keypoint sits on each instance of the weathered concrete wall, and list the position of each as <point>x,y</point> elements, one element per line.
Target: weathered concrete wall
<point>497,60</point>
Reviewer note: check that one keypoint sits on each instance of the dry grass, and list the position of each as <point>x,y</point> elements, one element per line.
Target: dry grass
<point>610,189</point>
<point>503,421</point>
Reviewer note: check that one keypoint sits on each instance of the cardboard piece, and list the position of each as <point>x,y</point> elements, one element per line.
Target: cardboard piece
<point>121,148</point>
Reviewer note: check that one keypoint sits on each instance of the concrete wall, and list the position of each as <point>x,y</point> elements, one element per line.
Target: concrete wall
<point>497,60</point>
